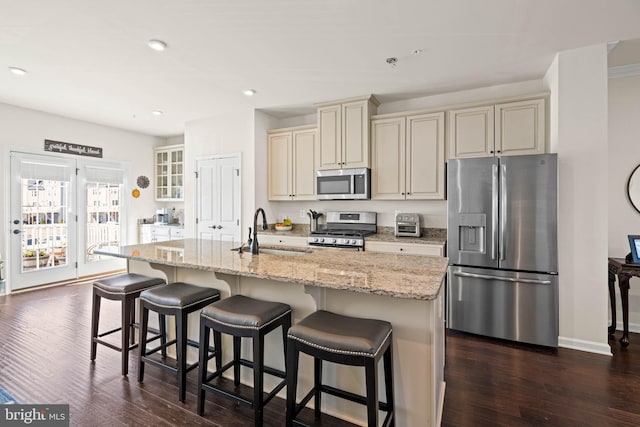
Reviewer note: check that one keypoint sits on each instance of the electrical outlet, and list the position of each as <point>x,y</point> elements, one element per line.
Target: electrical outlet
<point>301,213</point>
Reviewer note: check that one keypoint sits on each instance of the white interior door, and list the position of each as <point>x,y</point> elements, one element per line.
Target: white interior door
<point>43,220</point>
<point>218,198</point>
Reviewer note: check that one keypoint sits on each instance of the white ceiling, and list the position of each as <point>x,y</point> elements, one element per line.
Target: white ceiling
<point>89,59</point>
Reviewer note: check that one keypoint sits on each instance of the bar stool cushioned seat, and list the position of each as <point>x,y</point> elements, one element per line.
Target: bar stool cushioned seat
<point>345,340</point>
<point>125,288</point>
<point>179,300</point>
<point>241,316</point>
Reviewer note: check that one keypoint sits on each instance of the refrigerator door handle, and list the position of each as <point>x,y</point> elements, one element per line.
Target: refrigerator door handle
<point>503,279</point>
<point>503,211</point>
<point>494,210</point>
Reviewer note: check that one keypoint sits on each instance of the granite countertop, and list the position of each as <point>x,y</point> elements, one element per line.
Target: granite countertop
<point>399,276</point>
<point>430,236</point>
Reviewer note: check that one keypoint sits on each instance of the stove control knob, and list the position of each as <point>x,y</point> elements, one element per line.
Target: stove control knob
<point>345,241</point>
<point>334,240</point>
<point>353,242</point>
<point>315,240</point>
<point>321,239</point>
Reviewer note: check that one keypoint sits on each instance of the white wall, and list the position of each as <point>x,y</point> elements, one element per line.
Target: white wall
<point>578,79</point>
<point>25,130</point>
<point>232,132</point>
<point>624,156</point>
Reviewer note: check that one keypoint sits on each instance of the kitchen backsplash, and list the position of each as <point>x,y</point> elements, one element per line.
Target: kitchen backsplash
<point>433,213</point>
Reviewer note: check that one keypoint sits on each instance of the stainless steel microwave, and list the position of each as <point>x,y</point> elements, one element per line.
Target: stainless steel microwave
<point>343,184</point>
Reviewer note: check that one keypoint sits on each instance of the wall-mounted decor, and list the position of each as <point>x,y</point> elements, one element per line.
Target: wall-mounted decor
<point>135,193</point>
<point>142,181</point>
<point>633,188</point>
<point>69,148</point>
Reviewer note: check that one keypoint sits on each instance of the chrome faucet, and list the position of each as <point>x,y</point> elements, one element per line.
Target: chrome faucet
<point>254,242</point>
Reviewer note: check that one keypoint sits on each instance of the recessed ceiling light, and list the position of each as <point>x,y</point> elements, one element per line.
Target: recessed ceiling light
<point>18,71</point>
<point>157,113</point>
<point>416,51</point>
<point>158,45</point>
<point>393,61</point>
<point>249,92</point>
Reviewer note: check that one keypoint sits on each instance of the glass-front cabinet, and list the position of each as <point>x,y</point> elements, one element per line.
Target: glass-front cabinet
<point>169,164</point>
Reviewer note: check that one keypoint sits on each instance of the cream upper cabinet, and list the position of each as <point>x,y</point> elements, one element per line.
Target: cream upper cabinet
<point>471,132</point>
<point>292,162</point>
<point>408,157</point>
<point>343,132</point>
<point>520,128</point>
<point>505,129</point>
<point>169,164</point>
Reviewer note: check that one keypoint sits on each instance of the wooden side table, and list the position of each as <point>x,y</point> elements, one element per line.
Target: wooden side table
<point>619,267</point>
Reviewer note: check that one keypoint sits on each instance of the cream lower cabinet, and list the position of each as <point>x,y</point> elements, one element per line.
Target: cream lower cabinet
<point>274,239</point>
<point>506,129</point>
<point>343,134</point>
<point>292,162</point>
<point>408,157</point>
<point>405,248</point>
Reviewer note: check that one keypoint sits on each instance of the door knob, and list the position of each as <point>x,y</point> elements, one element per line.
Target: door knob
<point>212,226</point>
<point>17,231</point>
<point>16,221</point>
<point>219,227</point>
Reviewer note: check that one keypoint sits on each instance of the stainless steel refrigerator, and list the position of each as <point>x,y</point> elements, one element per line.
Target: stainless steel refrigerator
<point>502,247</point>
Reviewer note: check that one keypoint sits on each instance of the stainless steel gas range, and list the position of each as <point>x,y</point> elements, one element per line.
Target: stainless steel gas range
<point>344,230</point>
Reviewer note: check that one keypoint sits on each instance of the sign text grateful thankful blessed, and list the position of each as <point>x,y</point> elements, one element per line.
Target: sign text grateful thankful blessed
<point>69,148</point>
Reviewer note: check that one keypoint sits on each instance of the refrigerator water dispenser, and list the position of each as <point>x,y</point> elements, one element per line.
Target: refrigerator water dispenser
<point>472,231</point>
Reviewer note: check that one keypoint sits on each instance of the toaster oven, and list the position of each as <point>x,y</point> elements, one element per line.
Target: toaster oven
<point>408,225</point>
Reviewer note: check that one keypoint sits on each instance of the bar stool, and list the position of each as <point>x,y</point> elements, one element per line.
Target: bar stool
<point>124,288</point>
<point>179,300</point>
<point>241,316</point>
<point>343,340</point>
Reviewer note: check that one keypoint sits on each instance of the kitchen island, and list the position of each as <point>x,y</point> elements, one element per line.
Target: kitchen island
<point>405,290</point>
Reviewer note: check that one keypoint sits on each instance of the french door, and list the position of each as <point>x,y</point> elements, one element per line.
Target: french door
<point>49,197</point>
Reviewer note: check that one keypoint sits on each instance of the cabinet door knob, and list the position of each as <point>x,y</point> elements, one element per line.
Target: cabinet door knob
<point>491,151</point>
<point>498,151</point>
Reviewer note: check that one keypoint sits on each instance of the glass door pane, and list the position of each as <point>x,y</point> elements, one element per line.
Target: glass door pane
<point>44,224</point>
<point>103,218</point>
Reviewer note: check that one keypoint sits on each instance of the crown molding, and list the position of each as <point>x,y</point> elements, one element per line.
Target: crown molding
<point>624,71</point>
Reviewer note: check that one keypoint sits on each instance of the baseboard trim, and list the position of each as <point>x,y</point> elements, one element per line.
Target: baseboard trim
<point>633,327</point>
<point>582,345</point>
<point>443,387</point>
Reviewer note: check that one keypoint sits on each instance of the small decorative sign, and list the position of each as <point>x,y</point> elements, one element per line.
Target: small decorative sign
<point>69,148</point>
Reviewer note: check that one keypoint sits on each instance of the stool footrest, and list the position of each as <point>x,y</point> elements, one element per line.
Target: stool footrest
<point>351,396</point>
<point>268,370</point>
<point>109,332</point>
<point>113,346</point>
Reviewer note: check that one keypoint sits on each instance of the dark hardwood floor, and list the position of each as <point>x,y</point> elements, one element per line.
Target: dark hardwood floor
<point>44,358</point>
<point>497,383</point>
